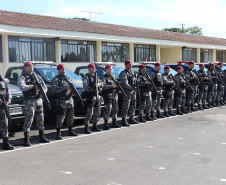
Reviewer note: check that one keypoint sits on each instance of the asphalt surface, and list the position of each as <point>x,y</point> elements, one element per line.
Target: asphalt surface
<point>189,149</point>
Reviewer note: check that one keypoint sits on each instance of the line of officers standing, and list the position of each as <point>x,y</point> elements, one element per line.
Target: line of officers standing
<point>150,89</point>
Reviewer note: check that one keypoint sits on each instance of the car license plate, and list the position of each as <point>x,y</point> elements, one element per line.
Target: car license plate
<point>16,111</point>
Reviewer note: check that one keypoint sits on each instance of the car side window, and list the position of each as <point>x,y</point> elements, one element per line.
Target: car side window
<point>83,71</point>
<point>100,71</point>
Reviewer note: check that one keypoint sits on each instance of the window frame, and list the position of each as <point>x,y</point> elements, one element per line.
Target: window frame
<point>142,47</point>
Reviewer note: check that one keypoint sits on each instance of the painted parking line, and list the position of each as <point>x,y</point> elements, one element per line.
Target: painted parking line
<point>87,135</point>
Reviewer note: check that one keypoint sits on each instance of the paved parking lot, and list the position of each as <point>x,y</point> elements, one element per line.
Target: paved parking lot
<point>189,149</point>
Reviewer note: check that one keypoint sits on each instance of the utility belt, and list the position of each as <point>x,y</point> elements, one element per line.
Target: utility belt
<point>64,98</point>
<point>32,97</point>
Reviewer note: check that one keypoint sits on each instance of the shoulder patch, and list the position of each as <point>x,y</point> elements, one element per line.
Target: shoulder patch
<point>22,78</point>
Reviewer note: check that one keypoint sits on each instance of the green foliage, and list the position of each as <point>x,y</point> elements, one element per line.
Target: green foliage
<point>195,30</point>
<point>84,19</point>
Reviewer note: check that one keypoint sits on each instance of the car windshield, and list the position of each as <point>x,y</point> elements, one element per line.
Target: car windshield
<point>49,73</point>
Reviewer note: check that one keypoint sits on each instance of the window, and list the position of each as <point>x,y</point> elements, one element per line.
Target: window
<point>114,52</point>
<point>221,55</point>
<point>144,52</point>
<point>189,54</point>
<point>29,48</point>
<point>78,51</point>
<point>1,59</point>
<point>206,55</point>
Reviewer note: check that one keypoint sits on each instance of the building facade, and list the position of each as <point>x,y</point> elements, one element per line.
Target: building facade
<point>29,37</point>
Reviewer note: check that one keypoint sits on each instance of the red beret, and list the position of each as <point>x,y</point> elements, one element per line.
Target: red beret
<point>219,63</point>
<point>60,66</point>
<point>142,65</point>
<point>191,62</point>
<point>91,66</point>
<point>27,63</point>
<point>157,64</point>
<point>201,65</point>
<point>107,66</point>
<point>167,67</point>
<point>128,62</point>
<point>211,64</point>
<point>179,67</point>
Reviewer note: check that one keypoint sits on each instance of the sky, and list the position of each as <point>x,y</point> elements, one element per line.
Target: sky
<point>154,14</point>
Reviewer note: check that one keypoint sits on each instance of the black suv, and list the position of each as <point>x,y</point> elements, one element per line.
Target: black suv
<point>47,72</point>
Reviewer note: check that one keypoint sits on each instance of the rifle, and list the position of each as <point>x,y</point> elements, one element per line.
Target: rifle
<point>97,89</point>
<point>152,83</point>
<point>188,83</point>
<point>211,81</point>
<point>4,106</point>
<point>38,83</point>
<point>138,88</point>
<point>74,90</point>
<point>200,79</point>
<point>219,77</point>
<point>178,85</point>
<point>119,85</point>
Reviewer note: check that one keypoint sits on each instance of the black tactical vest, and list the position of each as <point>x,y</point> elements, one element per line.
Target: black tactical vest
<point>65,94</point>
<point>213,73</point>
<point>205,81</point>
<point>32,93</point>
<point>145,88</point>
<point>192,74</point>
<point>109,81</point>
<point>130,78</point>
<point>92,83</point>
<point>181,81</point>
<point>158,79</point>
<point>3,88</point>
<point>168,87</point>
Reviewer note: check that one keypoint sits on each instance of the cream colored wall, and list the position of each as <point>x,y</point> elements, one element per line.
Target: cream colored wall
<point>171,54</point>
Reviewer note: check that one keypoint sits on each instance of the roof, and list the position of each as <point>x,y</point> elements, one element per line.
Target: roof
<point>66,24</point>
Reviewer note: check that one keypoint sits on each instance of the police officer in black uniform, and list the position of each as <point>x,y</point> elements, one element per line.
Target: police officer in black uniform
<point>5,96</point>
<point>110,95</point>
<point>156,98</point>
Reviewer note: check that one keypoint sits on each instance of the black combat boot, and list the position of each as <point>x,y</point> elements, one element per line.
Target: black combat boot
<point>125,123</point>
<point>58,134</point>
<point>42,138</point>
<point>179,111</point>
<point>159,115</point>
<point>200,107</point>
<point>95,128</point>
<point>205,106</point>
<point>87,131</point>
<point>171,113</point>
<point>217,103</point>
<point>166,114</point>
<point>153,116</point>
<point>210,105</point>
<point>184,111</point>
<point>149,118</point>
<point>142,120</point>
<point>106,127</point>
<point>214,104</point>
<point>71,132</point>
<point>6,144</point>
<point>189,109</point>
<point>222,102</point>
<point>132,121</point>
<point>114,124</point>
<point>193,108</point>
<point>26,139</point>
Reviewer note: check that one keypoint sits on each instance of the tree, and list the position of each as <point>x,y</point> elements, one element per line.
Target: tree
<point>195,30</point>
<point>173,29</point>
<point>84,19</point>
